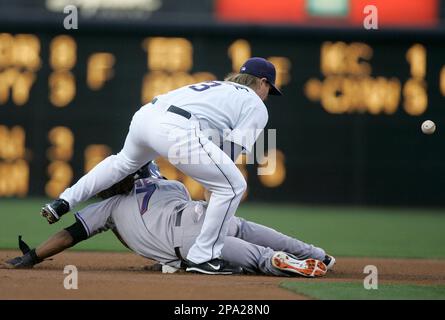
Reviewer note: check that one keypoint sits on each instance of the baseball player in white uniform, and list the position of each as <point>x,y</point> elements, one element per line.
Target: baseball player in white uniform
<point>173,126</point>
<point>158,220</point>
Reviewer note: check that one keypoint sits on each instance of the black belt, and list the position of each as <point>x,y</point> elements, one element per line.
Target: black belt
<point>177,251</point>
<point>175,109</point>
<point>179,111</point>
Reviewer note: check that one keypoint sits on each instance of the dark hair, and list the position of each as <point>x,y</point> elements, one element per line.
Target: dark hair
<point>125,186</point>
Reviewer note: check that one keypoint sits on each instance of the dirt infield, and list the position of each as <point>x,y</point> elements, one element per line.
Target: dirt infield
<point>123,276</point>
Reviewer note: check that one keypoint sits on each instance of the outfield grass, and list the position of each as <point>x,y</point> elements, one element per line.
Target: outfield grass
<point>21,217</point>
<point>359,232</point>
<point>356,291</point>
<point>395,233</point>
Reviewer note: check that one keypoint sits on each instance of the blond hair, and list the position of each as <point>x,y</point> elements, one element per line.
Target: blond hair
<point>244,79</point>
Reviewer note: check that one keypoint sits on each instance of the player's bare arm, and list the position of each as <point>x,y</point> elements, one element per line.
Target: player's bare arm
<point>57,243</point>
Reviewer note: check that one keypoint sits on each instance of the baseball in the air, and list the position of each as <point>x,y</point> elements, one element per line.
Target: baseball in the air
<point>428,127</point>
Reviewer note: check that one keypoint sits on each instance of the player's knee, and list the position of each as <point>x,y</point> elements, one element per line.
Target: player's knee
<point>239,186</point>
<point>230,188</point>
<point>235,227</point>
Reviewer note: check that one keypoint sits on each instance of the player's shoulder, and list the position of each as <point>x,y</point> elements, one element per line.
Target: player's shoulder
<point>155,180</point>
<point>167,183</point>
<point>161,184</point>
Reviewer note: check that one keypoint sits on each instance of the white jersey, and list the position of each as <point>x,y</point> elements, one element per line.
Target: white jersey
<point>234,110</point>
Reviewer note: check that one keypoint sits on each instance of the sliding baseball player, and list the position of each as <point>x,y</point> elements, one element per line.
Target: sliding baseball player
<point>157,219</point>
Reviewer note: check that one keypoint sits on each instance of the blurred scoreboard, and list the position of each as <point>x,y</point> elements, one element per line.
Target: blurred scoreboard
<point>348,127</point>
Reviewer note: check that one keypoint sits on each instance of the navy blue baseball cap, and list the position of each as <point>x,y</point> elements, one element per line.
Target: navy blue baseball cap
<point>261,68</point>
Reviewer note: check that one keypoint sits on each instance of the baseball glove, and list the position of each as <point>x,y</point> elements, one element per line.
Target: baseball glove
<point>27,261</point>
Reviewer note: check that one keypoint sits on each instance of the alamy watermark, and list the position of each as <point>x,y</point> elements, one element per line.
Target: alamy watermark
<point>211,146</point>
<point>71,21</point>
<point>71,280</point>
<point>371,281</point>
<point>371,19</point>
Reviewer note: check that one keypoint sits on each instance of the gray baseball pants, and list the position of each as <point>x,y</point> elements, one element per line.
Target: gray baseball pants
<point>247,244</point>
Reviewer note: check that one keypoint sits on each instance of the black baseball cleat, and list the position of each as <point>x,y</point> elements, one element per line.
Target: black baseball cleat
<point>54,210</point>
<point>214,266</point>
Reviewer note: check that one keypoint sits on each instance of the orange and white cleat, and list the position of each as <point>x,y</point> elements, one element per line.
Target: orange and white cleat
<point>310,268</point>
